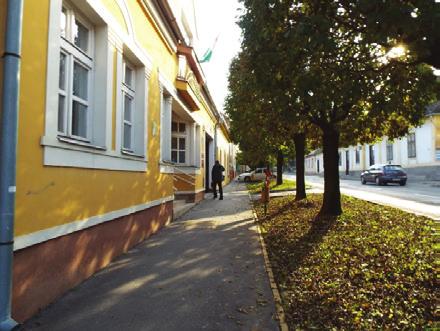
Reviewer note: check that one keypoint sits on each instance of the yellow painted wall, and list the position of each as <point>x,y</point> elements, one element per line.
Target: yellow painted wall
<point>116,12</point>
<point>51,196</point>
<point>149,38</point>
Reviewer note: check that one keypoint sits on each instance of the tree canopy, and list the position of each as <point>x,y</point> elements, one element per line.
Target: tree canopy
<point>341,70</point>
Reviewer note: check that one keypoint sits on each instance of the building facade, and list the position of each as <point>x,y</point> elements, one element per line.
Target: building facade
<point>418,152</point>
<point>116,122</point>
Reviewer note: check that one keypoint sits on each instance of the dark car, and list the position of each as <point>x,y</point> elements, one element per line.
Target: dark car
<point>381,174</point>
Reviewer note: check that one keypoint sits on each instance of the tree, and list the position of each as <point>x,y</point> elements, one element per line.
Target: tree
<point>411,24</point>
<point>341,77</point>
<point>256,124</point>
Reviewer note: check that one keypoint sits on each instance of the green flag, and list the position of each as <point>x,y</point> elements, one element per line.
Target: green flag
<point>208,54</point>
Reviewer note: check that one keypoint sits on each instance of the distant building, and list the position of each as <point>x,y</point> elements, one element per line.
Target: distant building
<point>418,152</point>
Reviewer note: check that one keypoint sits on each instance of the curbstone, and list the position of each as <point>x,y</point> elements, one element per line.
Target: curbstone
<point>268,267</point>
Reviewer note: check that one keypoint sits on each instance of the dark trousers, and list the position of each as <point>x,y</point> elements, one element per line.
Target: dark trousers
<point>220,188</point>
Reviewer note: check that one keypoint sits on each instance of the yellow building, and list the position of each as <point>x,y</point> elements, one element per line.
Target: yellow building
<point>116,122</point>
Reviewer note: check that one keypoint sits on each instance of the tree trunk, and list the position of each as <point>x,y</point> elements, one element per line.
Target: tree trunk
<point>280,161</point>
<point>299,141</point>
<point>331,205</point>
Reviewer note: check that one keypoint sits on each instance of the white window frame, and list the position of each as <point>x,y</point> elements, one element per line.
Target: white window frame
<point>75,55</point>
<point>98,151</point>
<point>138,92</point>
<point>128,91</point>
<point>179,135</point>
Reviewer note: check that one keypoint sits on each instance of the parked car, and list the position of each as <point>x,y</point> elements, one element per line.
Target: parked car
<point>254,175</point>
<point>245,176</point>
<point>382,174</point>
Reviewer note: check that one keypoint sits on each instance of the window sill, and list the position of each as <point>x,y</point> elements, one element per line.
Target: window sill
<point>166,167</point>
<point>72,141</point>
<point>129,153</point>
<point>66,152</point>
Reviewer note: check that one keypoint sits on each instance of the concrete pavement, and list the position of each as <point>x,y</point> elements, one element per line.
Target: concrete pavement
<point>203,272</point>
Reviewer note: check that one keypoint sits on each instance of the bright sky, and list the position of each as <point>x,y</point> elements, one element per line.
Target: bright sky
<point>218,18</point>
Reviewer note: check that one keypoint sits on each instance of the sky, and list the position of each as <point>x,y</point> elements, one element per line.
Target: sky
<point>218,18</point>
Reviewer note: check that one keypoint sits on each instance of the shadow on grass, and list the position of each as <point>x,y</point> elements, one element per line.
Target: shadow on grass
<point>297,249</point>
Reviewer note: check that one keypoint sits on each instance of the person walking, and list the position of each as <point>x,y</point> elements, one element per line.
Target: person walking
<point>217,178</point>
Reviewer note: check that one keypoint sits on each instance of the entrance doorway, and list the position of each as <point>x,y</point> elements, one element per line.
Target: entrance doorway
<point>209,162</point>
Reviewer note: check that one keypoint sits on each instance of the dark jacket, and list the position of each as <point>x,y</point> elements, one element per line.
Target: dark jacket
<point>216,173</point>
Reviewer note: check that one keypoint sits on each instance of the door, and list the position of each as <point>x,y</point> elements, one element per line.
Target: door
<point>208,148</point>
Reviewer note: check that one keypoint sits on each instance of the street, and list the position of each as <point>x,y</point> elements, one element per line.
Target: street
<point>421,198</point>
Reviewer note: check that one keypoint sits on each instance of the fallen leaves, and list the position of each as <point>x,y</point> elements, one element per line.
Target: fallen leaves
<point>370,268</point>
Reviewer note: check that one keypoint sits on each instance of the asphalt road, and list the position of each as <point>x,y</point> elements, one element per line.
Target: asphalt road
<point>422,198</point>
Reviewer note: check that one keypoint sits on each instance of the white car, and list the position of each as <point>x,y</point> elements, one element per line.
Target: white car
<point>245,176</point>
<point>254,175</point>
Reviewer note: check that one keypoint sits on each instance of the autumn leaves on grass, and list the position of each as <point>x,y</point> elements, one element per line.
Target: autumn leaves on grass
<point>368,269</point>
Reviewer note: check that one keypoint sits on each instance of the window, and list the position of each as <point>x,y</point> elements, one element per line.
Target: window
<point>340,158</point>
<point>412,145</point>
<point>75,76</point>
<point>79,88</point>
<point>357,156</point>
<point>371,152</point>
<point>128,94</point>
<point>389,151</point>
<point>178,142</point>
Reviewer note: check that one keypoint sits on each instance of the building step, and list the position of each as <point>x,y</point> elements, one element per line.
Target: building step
<point>180,207</point>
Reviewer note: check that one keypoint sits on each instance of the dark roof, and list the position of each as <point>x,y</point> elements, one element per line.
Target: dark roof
<point>433,109</point>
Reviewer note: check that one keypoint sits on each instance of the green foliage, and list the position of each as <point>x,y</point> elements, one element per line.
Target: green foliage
<point>336,65</point>
<point>371,268</point>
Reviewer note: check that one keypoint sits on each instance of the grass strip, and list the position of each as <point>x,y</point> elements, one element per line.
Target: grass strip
<point>287,185</point>
<point>371,268</point>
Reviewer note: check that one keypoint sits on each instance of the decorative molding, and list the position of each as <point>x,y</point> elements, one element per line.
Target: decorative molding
<point>160,26</point>
<point>121,36</point>
<point>166,169</point>
<point>34,238</point>
<point>64,154</point>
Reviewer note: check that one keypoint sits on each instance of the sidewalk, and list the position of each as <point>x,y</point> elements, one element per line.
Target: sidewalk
<point>203,272</point>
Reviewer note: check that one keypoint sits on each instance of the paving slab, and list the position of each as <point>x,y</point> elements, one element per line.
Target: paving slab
<point>203,272</point>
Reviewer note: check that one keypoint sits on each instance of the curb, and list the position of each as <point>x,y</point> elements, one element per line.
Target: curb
<point>275,292</point>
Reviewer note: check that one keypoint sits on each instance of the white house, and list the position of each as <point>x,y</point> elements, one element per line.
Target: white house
<point>418,152</point>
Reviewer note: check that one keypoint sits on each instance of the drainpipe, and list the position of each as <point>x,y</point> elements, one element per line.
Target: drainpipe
<point>8,146</point>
